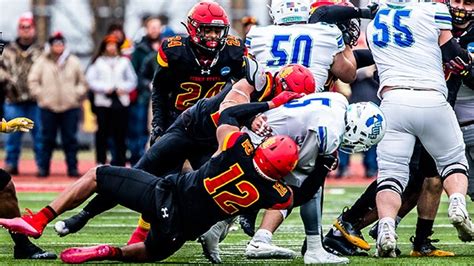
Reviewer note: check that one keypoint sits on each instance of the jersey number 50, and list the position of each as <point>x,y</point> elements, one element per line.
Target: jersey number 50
<point>300,50</point>
<point>393,31</point>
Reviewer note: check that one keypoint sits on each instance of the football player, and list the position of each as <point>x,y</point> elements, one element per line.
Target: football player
<point>23,249</point>
<point>321,48</point>
<point>409,100</point>
<point>196,66</point>
<point>192,135</point>
<point>238,177</point>
<point>362,213</point>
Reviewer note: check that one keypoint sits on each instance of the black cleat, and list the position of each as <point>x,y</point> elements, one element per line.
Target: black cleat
<point>426,249</point>
<point>247,223</point>
<point>350,234</point>
<point>338,245</point>
<point>32,252</point>
<point>72,224</point>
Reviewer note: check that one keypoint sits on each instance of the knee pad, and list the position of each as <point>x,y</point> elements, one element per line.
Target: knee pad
<point>391,184</point>
<point>5,178</point>
<point>453,169</point>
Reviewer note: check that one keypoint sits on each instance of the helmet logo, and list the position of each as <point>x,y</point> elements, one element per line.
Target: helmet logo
<point>267,143</point>
<point>217,21</point>
<point>376,121</point>
<point>285,72</point>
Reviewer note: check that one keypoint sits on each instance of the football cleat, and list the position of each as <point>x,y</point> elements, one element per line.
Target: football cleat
<point>338,245</point>
<point>262,250</point>
<point>26,225</point>
<point>72,224</point>
<point>210,242</point>
<point>352,235</point>
<point>426,249</point>
<point>386,242</point>
<point>321,256</point>
<point>32,252</point>
<point>460,219</point>
<point>81,255</point>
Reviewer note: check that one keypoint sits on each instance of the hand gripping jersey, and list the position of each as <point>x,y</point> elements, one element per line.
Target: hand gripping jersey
<point>315,122</point>
<point>404,43</point>
<point>311,45</point>
<point>180,81</point>
<point>225,186</point>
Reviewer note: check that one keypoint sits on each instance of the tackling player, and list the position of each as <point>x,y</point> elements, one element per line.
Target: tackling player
<point>238,177</point>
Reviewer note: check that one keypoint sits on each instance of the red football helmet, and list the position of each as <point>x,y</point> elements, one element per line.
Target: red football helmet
<point>276,157</point>
<point>295,78</point>
<point>208,15</point>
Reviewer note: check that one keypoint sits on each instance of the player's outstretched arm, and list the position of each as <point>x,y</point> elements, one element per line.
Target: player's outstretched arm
<point>22,124</point>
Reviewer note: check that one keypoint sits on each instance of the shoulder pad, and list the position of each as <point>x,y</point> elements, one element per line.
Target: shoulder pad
<point>254,73</point>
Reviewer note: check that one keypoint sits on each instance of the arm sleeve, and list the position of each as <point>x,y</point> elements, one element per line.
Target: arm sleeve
<point>363,58</point>
<point>239,114</point>
<point>159,98</point>
<point>334,14</point>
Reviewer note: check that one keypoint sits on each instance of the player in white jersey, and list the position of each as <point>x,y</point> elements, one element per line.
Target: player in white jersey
<point>320,123</point>
<point>405,40</point>
<point>319,47</point>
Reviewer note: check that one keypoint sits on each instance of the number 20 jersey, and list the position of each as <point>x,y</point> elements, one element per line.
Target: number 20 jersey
<point>404,43</point>
<point>311,45</point>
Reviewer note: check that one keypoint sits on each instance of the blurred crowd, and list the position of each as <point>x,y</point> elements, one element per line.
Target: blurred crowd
<point>47,83</point>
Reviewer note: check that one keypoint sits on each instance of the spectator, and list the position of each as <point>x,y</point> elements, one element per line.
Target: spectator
<point>138,134</point>
<point>166,30</point>
<point>111,77</point>
<point>57,81</point>
<point>126,45</point>
<point>247,23</point>
<point>15,65</point>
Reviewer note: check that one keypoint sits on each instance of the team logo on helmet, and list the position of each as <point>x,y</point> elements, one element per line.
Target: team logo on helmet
<point>376,121</point>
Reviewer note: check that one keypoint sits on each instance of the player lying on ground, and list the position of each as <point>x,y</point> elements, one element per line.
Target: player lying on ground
<point>238,177</point>
<point>23,249</point>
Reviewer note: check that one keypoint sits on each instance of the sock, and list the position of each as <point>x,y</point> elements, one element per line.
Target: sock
<point>423,230</point>
<point>314,242</point>
<point>397,221</point>
<point>143,224</point>
<point>46,215</point>
<point>263,235</point>
<point>115,253</point>
<point>20,240</point>
<point>364,204</point>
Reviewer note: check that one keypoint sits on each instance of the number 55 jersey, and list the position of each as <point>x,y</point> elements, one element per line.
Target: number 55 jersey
<point>311,45</point>
<point>413,28</point>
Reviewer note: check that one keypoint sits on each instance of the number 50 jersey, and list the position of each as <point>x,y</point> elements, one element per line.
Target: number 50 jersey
<point>311,45</point>
<point>404,42</point>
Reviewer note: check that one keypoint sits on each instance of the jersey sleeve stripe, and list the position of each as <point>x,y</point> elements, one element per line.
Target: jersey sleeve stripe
<point>161,58</point>
<point>230,140</point>
<point>340,42</point>
<point>248,41</point>
<point>441,18</point>
<point>322,134</point>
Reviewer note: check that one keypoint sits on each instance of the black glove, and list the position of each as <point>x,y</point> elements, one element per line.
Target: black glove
<point>330,161</point>
<point>156,132</point>
<point>369,11</point>
<point>457,66</point>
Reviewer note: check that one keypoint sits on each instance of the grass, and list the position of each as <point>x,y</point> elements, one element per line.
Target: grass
<point>115,226</point>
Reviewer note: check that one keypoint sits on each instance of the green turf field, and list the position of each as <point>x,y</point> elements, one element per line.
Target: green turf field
<point>115,226</point>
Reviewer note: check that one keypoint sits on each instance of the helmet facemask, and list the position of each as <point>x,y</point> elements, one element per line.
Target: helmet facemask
<point>350,31</point>
<point>460,15</point>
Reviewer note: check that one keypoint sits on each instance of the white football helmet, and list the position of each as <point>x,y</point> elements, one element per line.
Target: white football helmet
<point>402,2</point>
<point>365,126</point>
<point>289,11</point>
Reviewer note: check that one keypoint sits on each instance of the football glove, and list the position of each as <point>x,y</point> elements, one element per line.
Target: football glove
<point>285,97</point>
<point>369,12</point>
<point>156,132</point>
<point>22,124</point>
<point>457,66</point>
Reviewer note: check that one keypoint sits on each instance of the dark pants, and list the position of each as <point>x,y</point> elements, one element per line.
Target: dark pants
<point>137,136</point>
<point>67,122</point>
<point>112,123</point>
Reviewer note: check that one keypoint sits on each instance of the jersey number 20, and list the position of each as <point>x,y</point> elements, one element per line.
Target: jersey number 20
<point>394,30</point>
<point>299,52</point>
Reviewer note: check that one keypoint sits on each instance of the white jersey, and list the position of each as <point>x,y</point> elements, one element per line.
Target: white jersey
<point>404,43</point>
<point>315,122</point>
<point>311,45</point>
